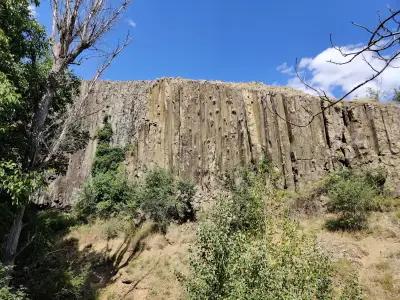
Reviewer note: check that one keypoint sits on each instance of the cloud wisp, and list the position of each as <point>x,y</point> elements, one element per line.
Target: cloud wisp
<point>336,80</point>
<point>131,23</point>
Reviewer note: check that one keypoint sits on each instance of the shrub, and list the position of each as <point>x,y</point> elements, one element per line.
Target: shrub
<point>6,292</point>
<point>165,200</point>
<point>105,195</point>
<point>104,135</point>
<point>247,248</point>
<point>107,159</point>
<point>159,196</point>
<point>107,191</point>
<point>110,187</point>
<point>352,196</point>
<point>352,290</point>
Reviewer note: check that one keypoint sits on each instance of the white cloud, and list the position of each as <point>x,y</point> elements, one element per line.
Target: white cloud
<point>336,80</point>
<point>131,23</point>
<point>286,69</point>
<point>32,10</point>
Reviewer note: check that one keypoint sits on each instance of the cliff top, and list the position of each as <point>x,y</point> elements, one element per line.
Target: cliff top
<point>251,86</point>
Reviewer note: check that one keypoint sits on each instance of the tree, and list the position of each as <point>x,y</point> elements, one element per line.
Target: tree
<point>23,63</point>
<point>78,26</point>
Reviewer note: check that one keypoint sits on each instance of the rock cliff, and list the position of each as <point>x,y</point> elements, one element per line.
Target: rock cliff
<point>202,129</point>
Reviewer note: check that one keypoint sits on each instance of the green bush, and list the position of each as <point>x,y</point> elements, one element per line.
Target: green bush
<point>104,135</point>
<point>165,200</point>
<point>107,159</point>
<point>247,248</point>
<point>105,195</point>
<point>159,197</point>
<point>352,195</point>
<point>6,292</point>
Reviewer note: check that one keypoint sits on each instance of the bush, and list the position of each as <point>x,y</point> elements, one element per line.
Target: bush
<point>164,200</point>
<point>107,159</point>
<point>352,196</point>
<point>6,292</point>
<point>105,195</point>
<point>104,135</point>
<point>160,196</point>
<point>247,248</point>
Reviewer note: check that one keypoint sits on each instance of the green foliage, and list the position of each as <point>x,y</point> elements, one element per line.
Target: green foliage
<point>23,50</point>
<point>25,63</point>
<point>107,159</point>
<point>105,195</point>
<point>6,292</point>
<point>247,248</point>
<point>17,184</point>
<point>352,196</point>
<point>104,135</point>
<point>165,200</point>
<point>9,101</point>
<point>352,290</point>
<point>159,196</point>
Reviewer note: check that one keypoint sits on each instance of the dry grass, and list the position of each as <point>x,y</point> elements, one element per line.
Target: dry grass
<point>160,260</point>
<point>148,264</point>
<point>373,253</point>
<point>154,273</point>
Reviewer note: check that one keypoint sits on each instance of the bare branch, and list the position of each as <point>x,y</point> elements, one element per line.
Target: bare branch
<point>74,114</point>
<point>77,25</point>
<point>384,43</point>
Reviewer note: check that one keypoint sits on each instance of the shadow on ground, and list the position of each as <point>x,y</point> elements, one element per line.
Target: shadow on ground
<point>55,267</point>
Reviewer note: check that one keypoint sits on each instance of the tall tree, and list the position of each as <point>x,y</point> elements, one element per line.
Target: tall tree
<point>23,65</point>
<point>78,25</point>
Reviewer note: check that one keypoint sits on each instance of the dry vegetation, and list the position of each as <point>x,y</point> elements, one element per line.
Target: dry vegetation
<point>373,252</point>
<point>142,262</point>
<point>155,269</point>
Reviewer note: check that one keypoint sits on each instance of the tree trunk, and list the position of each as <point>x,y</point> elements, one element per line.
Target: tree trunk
<point>38,125</point>
<point>11,245</point>
<point>41,113</point>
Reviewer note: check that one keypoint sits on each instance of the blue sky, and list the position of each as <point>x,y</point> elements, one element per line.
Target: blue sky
<point>231,40</point>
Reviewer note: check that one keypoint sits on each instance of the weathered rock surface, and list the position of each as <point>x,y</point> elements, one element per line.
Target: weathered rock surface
<point>202,129</point>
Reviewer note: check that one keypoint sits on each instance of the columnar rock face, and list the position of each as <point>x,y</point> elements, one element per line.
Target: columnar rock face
<point>201,130</point>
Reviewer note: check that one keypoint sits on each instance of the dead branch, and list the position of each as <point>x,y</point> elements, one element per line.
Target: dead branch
<point>384,43</point>
<point>75,113</point>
